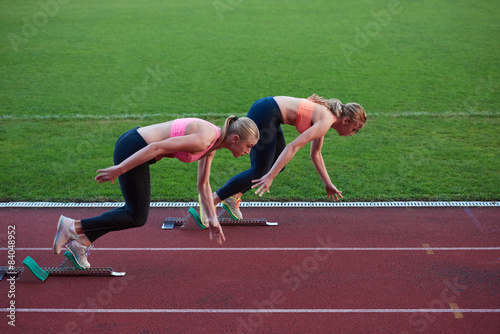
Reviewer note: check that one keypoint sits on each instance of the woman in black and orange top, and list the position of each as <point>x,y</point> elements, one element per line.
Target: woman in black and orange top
<point>312,117</point>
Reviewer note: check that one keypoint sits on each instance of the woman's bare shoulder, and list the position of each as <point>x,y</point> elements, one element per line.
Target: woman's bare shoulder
<point>155,132</point>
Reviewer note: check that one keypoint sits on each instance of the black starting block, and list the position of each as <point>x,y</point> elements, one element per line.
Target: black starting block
<point>31,272</point>
<point>193,221</point>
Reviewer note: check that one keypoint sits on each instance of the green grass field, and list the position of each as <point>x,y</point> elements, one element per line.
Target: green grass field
<point>74,76</point>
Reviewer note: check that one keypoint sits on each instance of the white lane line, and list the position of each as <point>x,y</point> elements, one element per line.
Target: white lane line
<point>340,249</point>
<point>103,115</point>
<point>73,310</point>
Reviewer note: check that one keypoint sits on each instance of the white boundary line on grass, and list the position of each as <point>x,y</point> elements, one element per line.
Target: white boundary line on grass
<point>73,310</point>
<point>255,204</point>
<point>178,115</point>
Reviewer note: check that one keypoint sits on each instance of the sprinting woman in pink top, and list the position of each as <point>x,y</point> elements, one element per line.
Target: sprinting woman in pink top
<point>188,139</point>
<point>312,117</point>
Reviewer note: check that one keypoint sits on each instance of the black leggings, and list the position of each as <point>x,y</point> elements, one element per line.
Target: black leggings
<point>267,115</point>
<point>136,189</point>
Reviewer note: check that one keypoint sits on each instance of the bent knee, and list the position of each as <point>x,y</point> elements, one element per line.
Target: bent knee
<point>138,221</point>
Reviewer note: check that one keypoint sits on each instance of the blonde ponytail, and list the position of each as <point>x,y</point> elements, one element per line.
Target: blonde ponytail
<point>353,111</point>
<point>244,127</point>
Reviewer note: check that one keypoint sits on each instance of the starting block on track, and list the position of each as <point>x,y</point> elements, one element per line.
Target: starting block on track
<point>193,221</point>
<point>31,272</point>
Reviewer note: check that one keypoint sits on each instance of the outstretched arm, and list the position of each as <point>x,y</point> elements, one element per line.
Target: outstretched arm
<point>207,201</point>
<point>319,164</point>
<point>316,131</point>
<point>195,142</point>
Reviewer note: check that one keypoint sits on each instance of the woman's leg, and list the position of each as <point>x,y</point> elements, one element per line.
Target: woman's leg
<point>135,186</point>
<point>137,194</point>
<point>136,189</point>
<point>266,114</point>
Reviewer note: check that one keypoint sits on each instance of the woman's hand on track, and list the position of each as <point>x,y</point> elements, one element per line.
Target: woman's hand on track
<point>216,233</point>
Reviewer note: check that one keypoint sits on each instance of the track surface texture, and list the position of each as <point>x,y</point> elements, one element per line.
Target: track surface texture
<point>321,270</point>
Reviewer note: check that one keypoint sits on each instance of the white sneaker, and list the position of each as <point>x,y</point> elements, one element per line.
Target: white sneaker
<point>63,235</point>
<point>78,254</point>
<point>232,206</point>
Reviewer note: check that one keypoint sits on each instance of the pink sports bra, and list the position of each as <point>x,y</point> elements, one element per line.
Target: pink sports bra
<point>178,129</point>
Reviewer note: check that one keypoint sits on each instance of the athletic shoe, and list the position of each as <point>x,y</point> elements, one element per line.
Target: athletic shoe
<point>78,254</point>
<point>64,234</point>
<point>232,206</point>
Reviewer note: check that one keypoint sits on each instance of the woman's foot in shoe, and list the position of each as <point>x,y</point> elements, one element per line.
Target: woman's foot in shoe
<point>65,233</point>
<point>78,254</point>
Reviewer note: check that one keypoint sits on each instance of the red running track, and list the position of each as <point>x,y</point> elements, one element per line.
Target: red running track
<point>321,270</point>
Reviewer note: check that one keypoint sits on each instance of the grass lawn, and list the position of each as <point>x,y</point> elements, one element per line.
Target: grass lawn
<point>74,76</point>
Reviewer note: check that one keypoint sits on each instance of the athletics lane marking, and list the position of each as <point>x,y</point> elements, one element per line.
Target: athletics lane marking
<point>456,313</point>
<point>339,249</point>
<point>73,310</point>
<point>428,249</point>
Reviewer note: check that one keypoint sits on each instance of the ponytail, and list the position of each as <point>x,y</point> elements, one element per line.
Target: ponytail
<point>244,127</point>
<point>353,111</point>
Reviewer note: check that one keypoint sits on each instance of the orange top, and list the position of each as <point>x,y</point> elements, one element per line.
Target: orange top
<point>304,115</point>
